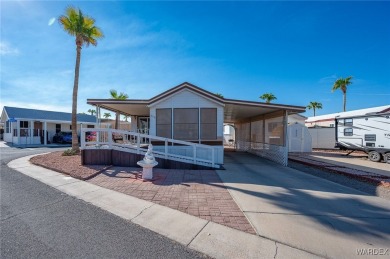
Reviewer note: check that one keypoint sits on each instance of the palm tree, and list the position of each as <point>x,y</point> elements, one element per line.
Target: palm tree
<point>268,97</point>
<point>219,95</point>
<point>122,96</point>
<point>314,106</point>
<point>92,111</point>
<point>107,115</point>
<point>85,32</point>
<point>342,84</point>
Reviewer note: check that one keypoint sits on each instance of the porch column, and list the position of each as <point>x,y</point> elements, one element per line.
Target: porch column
<point>45,133</point>
<point>18,131</point>
<point>31,133</point>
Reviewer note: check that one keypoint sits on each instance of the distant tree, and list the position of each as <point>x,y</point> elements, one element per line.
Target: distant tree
<point>107,115</point>
<point>219,95</point>
<point>92,111</point>
<point>122,96</point>
<point>85,32</point>
<point>268,97</point>
<point>82,113</point>
<point>342,84</point>
<point>125,117</point>
<point>314,106</point>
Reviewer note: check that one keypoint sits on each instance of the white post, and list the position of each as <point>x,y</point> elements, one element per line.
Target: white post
<point>32,132</point>
<point>18,131</point>
<point>285,162</point>
<point>82,137</point>
<point>45,133</point>
<point>138,143</point>
<point>166,148</point>
<point>109,136</point>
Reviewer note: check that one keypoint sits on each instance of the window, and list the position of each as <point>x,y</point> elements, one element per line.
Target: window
<point>208,123</point>
<point>164,123</point>
<point>348,122</point>
<point>348,132</point>
<point>89,126</point>
<point>23,124</point>
<point>7,127</point>
<point>58,128</point>
<point>331,125</point>
<point>370,137</point>
<point>186,124</point>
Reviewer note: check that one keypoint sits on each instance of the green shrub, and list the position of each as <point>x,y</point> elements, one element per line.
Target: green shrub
<point>69,152</point>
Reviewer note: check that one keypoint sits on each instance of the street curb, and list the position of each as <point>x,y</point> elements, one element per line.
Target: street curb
<point>204,236</point>
<point>331,168</point>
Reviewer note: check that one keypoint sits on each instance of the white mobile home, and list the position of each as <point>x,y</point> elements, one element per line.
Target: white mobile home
<point>37,127</point>
<point>191,114</point>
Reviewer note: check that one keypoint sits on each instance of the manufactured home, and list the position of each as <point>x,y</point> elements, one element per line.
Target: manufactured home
<point>38,127</point>
<point>186,123</point>
<point>369,133</point>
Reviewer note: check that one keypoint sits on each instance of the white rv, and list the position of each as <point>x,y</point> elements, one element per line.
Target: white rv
<point>369,133</point>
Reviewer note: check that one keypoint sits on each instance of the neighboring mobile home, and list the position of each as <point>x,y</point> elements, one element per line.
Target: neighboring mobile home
<point>28,126</point>
<point>192,114</point>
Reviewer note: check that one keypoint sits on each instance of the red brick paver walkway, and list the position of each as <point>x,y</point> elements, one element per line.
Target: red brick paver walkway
<point>200,193</point>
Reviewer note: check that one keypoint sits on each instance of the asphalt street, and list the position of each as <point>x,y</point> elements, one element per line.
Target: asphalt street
<point>37,221</point>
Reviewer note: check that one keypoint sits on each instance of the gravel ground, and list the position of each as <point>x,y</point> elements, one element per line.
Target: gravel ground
<point>368,188</point>
<point>70,165</point>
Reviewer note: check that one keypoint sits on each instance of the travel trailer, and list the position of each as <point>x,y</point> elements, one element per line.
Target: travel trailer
<point>369,133</point>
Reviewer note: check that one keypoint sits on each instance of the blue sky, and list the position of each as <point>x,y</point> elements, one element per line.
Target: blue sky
<point>295,50</point>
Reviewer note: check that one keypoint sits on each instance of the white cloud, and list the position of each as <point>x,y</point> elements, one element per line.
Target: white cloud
<point>6,49</point>
<point>327,79</point>
<point>51,21</point>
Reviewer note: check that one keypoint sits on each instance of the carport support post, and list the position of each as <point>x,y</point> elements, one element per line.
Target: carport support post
<point>45,133</point>
<point>285,124</point>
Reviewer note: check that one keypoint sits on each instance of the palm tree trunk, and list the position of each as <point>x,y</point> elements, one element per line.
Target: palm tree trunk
<point>75,142</point>
<point>117,120</point>
<point>345,101</point>
<point>314,109</point>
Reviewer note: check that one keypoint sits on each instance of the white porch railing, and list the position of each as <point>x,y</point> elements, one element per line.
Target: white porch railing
<point>132,142</point>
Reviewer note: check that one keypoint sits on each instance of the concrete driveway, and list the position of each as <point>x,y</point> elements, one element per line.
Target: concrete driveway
<point>306,212</point>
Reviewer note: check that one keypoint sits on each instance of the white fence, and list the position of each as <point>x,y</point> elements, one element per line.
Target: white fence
<point>323,137</point>
<point>165,148</point>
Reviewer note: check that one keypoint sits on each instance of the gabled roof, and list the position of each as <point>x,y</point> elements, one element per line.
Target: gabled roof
<point>23,113</point>
<point>233,109</point>
<point>189,86</point>
<point>367,111</point>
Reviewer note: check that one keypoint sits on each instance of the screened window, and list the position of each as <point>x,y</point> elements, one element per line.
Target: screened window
<point>348,122</point>
<point>208,123</point>
<point>186,124</point>
<point>348,132</point>
<point>58,128</point>
<point>164,123</point>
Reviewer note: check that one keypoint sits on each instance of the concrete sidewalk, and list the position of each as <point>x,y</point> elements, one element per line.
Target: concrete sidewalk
<point>304,211</point>
<point>199,234</point>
